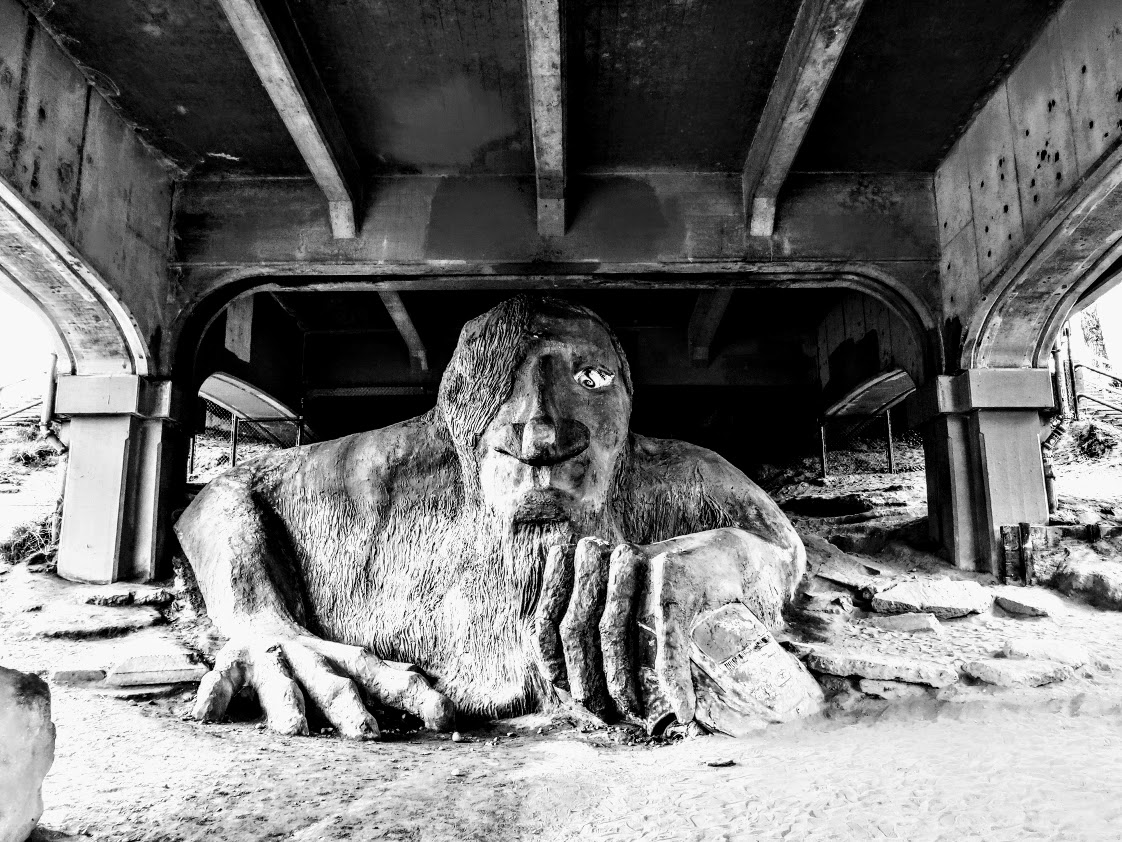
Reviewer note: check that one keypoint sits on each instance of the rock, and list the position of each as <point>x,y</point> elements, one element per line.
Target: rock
<point>829,602</point>
<point>1016,673</point>
<point>139,692</point>
<point>27,750</point>
<point>839,692</point>
<point>892,691</point>
<point>868,540</point>
<point>944,598</point>
<point>818,505</point>
<point>1028,602</point>
<point>117,595</point>
<point>1058,651</point>
<point>160,668</point>
<point>77,622</point>
<point>910,622</point>
<point>827,562</point>
<point>1095,579</point>
<point>76,674</point>
<point>886,667</point>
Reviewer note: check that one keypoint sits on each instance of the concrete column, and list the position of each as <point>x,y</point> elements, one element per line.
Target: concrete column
<point>984,469</point>
<point>116,481</point>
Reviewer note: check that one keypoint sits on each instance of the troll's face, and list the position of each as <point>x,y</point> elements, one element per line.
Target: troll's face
<point>538,400</point>
<point>553,448</point>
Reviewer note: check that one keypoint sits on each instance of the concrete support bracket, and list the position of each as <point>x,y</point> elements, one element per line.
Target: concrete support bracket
<point>984,468</point>
<point>117,480</point>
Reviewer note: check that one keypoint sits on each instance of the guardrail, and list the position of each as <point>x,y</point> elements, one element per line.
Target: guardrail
<point>1081,394</point>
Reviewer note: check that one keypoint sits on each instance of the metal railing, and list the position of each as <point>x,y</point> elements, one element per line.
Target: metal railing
<point>227,439</point>
<point>1080,371</point>
<point>47,401</point>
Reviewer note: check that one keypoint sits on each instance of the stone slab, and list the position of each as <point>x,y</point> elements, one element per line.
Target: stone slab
<point>892,691</point>
<point>1028,602</point>
<point>883,667</point>
<point>117,595</point>
<point>140,692</point>
<point>87,621</point>
<point>161,668</point>
<point>76,675</point>
<point>910,622</point>
<point>27,750</point>
<point>1058,651</point>
<point>1005,672</point>
<point>945,598</point>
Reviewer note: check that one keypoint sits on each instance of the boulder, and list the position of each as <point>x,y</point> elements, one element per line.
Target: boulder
<point>945,598</point>
<point>1058,651</point>
<point>1005,672</point>
<point>911,622</point>
<point>884,667</point>
<point>892,691</point>
<point>1028,602</point>
<point>27,749</point>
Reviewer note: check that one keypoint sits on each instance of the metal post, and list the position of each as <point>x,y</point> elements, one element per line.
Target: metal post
<point>191,457</point>
<point>1050,486</point>
<point>234,424</point>
<point>822,437</point>
<point>49,390</point>
<point>1071,377</point>
<point>891,452</point>
<point>1059,378</point>
<point>299,430</point>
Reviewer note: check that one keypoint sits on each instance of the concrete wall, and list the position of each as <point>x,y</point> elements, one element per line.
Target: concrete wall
<point>860,337</point>
<point>81,193</point>
<point>1046,132</point>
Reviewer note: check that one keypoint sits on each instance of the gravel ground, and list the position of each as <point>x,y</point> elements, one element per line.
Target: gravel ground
<point>1044,763</point>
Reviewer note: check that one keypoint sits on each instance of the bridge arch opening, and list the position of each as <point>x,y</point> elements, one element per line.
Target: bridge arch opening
<point>712,364</point>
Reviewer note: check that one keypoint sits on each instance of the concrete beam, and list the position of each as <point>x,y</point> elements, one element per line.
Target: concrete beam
<point>822,28</point>
<point>470,224</point>
<point>85,207</point>
<point>418,356</point>
<point>706,318</point>
<point>270,38</point>
<point>545,53</point>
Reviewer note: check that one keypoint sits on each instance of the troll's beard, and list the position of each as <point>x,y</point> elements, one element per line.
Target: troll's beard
<point>491,665</point>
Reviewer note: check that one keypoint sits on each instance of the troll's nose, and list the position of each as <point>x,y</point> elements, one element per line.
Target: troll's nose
<point>539,437</point>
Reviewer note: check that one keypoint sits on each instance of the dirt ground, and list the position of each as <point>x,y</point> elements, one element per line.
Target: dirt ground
<point>1041,763</point>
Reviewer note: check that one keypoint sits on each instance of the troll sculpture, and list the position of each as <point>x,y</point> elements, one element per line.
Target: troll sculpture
<point>484,558</point>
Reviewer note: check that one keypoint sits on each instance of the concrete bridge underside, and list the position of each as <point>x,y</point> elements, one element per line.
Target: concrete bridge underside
<point>948,179</point>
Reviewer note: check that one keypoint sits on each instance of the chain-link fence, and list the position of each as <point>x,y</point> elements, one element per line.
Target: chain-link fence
<point>226,439</point>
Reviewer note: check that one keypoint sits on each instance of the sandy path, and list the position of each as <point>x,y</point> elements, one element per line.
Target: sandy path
<point>978,772</point>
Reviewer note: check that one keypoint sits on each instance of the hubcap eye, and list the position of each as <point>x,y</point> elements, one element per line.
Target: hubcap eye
<point>595,377</point>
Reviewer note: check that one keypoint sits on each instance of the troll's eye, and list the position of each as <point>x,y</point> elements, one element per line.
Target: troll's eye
<point>595,377</point>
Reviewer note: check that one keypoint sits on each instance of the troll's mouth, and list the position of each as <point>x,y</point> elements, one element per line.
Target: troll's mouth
<point>543,505</point>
